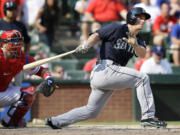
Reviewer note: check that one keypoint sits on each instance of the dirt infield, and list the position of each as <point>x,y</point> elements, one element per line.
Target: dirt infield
<point>91,130</point>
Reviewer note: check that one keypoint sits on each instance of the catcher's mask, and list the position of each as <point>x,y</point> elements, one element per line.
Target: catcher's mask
<point>14,41</point>
<point>131,17</point>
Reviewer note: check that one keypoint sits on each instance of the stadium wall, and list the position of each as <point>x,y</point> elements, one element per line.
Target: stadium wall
<point>122,106</point>
<point>69,96</point>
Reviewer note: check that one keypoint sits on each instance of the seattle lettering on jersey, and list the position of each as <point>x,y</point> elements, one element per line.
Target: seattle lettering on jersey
<point>113,46</point>
<point>122,45</point>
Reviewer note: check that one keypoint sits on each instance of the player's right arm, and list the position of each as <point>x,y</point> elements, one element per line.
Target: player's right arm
<point>92,41</point>
<point>94,38</point>
<point>103,33</point>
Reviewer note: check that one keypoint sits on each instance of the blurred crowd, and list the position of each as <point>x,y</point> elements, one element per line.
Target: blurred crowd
<point>161,32</point>
<point>38,21</point>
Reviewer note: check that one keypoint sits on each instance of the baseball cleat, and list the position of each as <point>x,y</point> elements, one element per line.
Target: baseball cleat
<point>49,123</point>
<point>153,122</point>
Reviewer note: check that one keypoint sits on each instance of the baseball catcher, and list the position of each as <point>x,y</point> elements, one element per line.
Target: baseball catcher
<point>20,99</point>
<point>120,42</point>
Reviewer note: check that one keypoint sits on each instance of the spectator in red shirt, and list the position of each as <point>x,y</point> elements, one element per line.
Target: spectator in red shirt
<point>90,64</point>
<point>19,8</point>
<point>101,11</point>
<point>163,24</point>
<point>139,62</point>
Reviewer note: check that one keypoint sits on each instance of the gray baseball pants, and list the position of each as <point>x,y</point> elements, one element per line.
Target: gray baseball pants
<point>105,78</point>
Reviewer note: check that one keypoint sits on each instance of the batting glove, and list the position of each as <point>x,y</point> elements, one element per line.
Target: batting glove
<point>83,48</point>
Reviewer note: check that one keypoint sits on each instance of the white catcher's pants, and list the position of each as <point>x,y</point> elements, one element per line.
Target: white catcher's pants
<point>105,78</point>
<point>10,96</point>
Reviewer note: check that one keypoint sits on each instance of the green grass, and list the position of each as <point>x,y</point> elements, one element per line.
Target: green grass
<point>92,123</point>
<point>173,122</point>
<point>107,123</point>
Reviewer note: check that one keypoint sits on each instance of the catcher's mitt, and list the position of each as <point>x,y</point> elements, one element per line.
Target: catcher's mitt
<point>47,87</point>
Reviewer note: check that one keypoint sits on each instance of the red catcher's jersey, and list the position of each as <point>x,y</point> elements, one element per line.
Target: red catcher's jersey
<point>9,68</point>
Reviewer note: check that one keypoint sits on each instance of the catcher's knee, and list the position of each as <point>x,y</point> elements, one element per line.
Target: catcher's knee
<point>29,90</point>
<point>17,110</point>
<point>27,96</point>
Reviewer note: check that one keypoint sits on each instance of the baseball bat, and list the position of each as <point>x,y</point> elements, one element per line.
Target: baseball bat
<point>46,60</point>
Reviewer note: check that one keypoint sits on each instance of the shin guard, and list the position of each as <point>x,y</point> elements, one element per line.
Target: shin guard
<point>19,109</point>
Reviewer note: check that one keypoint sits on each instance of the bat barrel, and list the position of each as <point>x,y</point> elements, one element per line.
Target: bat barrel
<point>46,60</point>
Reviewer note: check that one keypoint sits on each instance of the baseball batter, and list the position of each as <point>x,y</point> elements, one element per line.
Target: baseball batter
<point>12,60</point>
<point>120,42</point>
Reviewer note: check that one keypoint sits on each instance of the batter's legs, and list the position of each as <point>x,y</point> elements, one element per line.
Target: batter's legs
<point>96,102</point>
<point>145,98</point>
<point>116,78</point>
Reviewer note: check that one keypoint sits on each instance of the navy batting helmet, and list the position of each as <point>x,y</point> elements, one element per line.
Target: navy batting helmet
<point>131,15</point>
<point>9,5</point>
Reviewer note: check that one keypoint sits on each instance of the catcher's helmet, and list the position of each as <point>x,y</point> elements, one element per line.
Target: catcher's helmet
<point>9,5</point>
<point>131,15</point>
<point>14,41</point>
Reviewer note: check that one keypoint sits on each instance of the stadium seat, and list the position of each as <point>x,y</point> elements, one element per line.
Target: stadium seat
<point>67,64</point>
<point>40,46</point>
<point>176,69</point>
<point>82,62</point>
<point>131,62</point>
<point>77,74</point>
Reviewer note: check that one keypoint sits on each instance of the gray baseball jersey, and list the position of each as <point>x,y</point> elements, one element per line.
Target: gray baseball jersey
<point>110,74</point>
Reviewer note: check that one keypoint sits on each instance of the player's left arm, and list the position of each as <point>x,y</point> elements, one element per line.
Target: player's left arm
<point>140,50</point>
